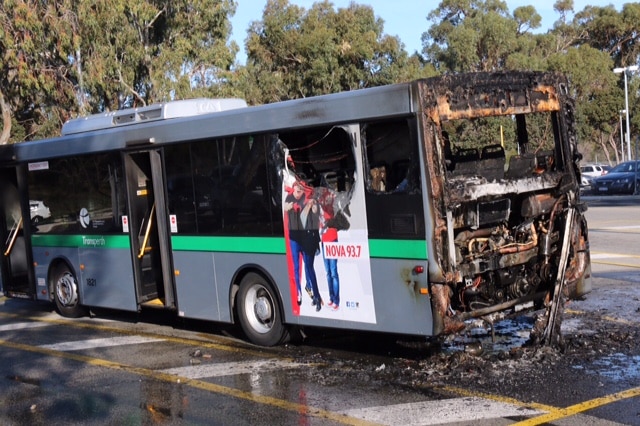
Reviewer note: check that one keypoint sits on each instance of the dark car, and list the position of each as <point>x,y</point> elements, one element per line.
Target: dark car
<point>622,179</point>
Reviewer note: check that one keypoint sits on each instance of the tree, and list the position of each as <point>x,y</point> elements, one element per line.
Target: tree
<point>61,58</point>
<point>36,87</point>
<point>139,52</point>
<point>477,35</point>
<point>293,53</point>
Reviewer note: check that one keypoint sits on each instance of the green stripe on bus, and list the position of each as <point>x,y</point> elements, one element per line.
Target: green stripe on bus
<point>398,249</point>
<point>82,241</point>
<point>391,249</point>
<point>271,245</point>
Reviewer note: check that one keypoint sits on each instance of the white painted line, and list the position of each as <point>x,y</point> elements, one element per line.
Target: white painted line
<point>22,326</point>
<point>100,343</point>
<point>230,368</point>
<point>611,255</point>
<point>440,412</point>
<point>621,227</point>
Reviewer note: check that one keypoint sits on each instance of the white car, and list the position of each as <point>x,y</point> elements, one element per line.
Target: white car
<point>39,211</point>
<point>594,170</point>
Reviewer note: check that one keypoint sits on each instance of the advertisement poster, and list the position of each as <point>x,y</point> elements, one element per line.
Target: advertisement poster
<point>327,248</point>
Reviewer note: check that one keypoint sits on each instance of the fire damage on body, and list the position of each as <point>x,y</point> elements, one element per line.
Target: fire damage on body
<point>508,225</point>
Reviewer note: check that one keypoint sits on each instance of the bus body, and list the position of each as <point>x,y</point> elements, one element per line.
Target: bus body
<point>403,209</point>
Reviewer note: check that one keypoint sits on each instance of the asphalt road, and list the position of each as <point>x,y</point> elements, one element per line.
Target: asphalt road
<point>119,368</point>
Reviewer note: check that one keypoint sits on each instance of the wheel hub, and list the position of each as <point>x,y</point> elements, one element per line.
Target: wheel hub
<point>67,291</point>
<point>262,308</point>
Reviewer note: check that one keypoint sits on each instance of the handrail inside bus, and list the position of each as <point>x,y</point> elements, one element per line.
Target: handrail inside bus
<point>143,248</point>
<point>13,234</point>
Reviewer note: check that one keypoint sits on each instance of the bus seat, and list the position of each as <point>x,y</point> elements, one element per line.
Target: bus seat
<point>492,162</point>
<point>521,166</point>
<point>466,162</point>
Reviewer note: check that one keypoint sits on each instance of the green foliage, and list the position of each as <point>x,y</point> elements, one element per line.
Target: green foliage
<point>478,35</point>
<point>294,53</point>
<point>63,58</point>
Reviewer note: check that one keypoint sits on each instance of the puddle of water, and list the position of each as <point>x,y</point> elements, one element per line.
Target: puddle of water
<point>616,367</point>
<point>507,334</point>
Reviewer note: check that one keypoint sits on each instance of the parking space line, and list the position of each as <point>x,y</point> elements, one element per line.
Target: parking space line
<point>22,326</point>
<point>581,407</point>
<point>455,410</point>
<point>231,368</point>
<point>608,255</point>
<point>498,398</point>
<point>624,265</point>
<point>605,317</point>
<point>303,410</point>
<point>100,343</point>
<point>112,329</point>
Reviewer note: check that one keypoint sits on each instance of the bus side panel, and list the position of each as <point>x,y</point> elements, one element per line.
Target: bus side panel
<point>400,305</point>
<point>275,266</point>
<point>107,279</point>
<point>42,258</point>
<point>197,295</point>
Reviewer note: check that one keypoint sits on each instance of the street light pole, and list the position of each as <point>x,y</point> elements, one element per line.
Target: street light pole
<point>622,111</point>
<point>626,101</point>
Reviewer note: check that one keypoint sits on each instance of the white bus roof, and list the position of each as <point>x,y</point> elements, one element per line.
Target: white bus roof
<point>174,109</point>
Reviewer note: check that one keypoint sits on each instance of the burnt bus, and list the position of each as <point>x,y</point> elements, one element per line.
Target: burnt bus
<point>407,209</point>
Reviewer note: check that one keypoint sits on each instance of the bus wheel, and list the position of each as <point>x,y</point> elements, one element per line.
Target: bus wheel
<point>259,312</point>
<point>65,290</point>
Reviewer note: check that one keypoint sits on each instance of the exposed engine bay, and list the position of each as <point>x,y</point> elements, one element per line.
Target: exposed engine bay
<point>509,222</point>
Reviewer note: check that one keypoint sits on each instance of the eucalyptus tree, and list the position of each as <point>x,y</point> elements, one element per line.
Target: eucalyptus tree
<point>36,86</point>
<point>477,35</point>
<point>136,52</point>
<point>295,53</point>
<point>63,58</point>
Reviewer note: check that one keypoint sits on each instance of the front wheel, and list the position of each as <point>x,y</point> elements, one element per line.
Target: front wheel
<point>259,312</point>
<point>66,295</point>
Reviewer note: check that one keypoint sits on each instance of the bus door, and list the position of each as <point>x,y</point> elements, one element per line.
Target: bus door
<point>15,248</point>
<point>148,228</point>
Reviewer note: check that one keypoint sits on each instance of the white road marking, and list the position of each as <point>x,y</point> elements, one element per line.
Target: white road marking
<point>440,412</point>
<point>611,255</point>
<point>230,368</point>
<point>100,343</point>
<point>22,326</point>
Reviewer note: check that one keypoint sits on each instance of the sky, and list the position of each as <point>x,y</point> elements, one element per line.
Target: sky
<point>406,19</point>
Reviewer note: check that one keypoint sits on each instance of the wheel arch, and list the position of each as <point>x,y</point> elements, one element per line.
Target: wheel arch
<point>54,265</point>
<point>235,285</point>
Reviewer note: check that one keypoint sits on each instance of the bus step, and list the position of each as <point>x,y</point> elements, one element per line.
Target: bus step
<point>153,303</point>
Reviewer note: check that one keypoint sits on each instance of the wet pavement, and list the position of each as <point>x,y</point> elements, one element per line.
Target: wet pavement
<point>119,368</point>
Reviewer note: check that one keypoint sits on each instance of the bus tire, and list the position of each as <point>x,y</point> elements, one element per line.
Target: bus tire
<point>66,294</point>
<point>259,312</point>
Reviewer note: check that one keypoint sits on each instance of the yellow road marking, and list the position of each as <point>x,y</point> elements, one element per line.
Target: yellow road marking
<point>581,407</point>
<point>609,254</point>
<point>604,317</point>
<point>301,409</point>
<point>624,265</point>
<point>498,398</point>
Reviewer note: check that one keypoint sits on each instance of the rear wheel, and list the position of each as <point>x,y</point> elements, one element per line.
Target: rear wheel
<point>66,294</point>
<point>259,312</point>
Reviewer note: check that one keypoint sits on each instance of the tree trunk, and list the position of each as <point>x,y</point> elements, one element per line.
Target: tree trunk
<point>6,121</point>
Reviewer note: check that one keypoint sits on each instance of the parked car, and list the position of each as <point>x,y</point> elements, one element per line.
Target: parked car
<point>594,170</point>
<point>39,211</point>
<point>585,184</point>
<point>621,179</point>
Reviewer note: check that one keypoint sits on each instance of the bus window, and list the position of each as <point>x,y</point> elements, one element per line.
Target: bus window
<point>220,186</point>
<point>394,206</point>
<point>77,194</point>
<point>392,158</point>
<point>320,153</point>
